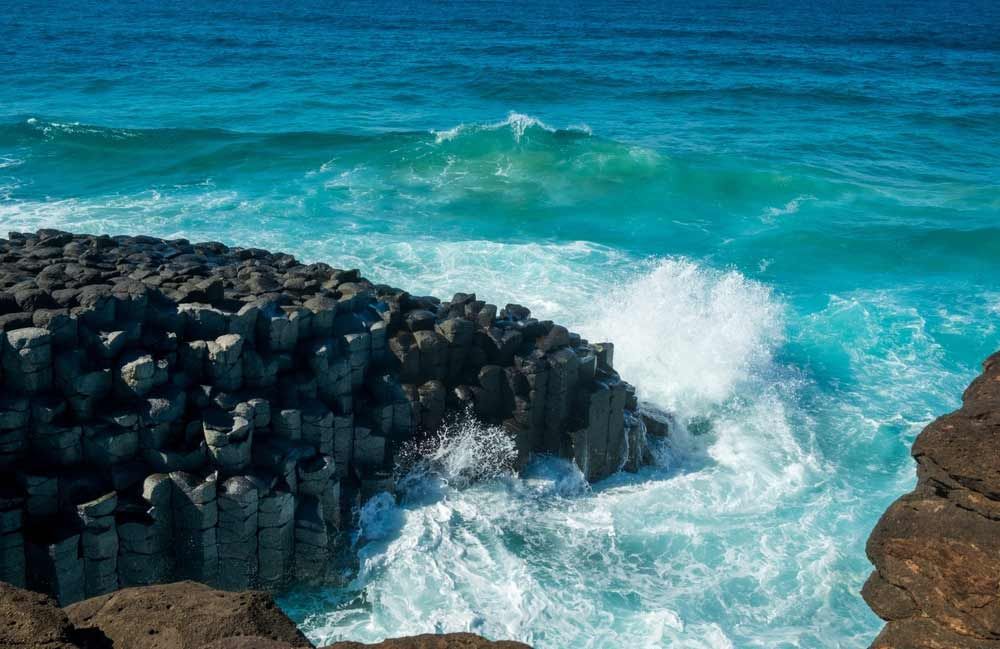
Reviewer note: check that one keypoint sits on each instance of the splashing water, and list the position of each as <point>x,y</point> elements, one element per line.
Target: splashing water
<point>459,454</point>
<point>694,335</point>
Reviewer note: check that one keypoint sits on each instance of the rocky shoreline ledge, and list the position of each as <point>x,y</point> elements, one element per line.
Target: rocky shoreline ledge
<point>171,410</point>
<point>936,550</point>
<point>182,615</point>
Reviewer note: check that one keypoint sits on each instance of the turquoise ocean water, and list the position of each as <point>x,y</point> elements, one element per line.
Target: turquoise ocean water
<point>787,218</point>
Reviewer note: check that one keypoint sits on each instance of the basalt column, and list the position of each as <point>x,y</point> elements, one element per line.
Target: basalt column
<point>176,410</point>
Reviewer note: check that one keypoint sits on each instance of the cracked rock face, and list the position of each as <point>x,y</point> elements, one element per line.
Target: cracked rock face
<point>936,550</point>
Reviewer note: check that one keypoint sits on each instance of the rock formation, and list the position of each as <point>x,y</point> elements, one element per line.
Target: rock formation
<point>171,410</point>
<point>936,550</point>
<point>183,615</point>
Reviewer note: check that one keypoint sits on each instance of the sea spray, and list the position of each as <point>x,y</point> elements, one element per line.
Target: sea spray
<point>461,452</point>
<point>693,333</point>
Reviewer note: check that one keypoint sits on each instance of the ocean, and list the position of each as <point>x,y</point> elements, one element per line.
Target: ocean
<point>785,215</point>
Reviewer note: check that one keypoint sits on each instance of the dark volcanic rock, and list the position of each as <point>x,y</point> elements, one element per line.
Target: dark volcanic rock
<point>427,641</point>
<point>236,406</point>
<point>936,550</point>
<point>184,615</point>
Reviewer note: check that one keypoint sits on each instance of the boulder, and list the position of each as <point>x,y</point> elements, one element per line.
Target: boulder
<point>183,615</point>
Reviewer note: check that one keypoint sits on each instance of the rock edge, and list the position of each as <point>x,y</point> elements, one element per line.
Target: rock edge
<point>936,550</point>
<point>182,615</point>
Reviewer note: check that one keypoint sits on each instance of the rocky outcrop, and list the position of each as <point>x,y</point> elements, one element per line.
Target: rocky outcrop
<point>183,615</point>
<point>171,410</point>
<point>936,550</point>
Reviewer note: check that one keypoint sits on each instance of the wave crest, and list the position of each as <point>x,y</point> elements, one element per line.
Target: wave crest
<point>517,123</point>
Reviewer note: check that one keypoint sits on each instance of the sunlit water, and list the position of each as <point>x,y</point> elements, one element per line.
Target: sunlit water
<point>787,219</point>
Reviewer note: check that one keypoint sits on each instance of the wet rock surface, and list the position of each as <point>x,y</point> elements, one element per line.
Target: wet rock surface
<point>936,550</point>
<point>175,410</point>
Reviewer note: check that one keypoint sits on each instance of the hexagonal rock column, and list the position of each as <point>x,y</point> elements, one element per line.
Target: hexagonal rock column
<point>12,560</point>
<point>146,534</point>
<point>238,512</point>
<point>275,536</point>
<point>99,544</point>
<point>195,516</point>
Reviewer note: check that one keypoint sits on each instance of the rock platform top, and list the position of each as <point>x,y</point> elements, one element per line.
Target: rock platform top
<point>182,615</point>
<point>177,410</point>
<point>936,550</point>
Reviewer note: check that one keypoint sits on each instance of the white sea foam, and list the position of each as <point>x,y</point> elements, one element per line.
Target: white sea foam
<point>518,123</point>
<point>544,559</point>
<point>791,207</point>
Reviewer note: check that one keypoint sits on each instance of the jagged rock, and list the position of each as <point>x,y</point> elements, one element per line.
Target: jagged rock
<point>229,439</point>
<point>136,372</point>
<point>27,359</point>
<point>936,550</point>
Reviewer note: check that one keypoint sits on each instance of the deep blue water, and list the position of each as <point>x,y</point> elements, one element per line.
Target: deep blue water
<point>787,218</point>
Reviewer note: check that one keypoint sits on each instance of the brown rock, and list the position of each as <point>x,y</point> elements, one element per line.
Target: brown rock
<point>32,621</point>
<point>428,641</point>
<point>184,615</point>
<point>247,642</point>
<point>936,550</point>
<point>918,633</point>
